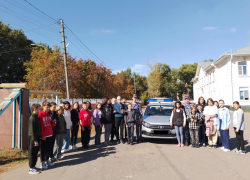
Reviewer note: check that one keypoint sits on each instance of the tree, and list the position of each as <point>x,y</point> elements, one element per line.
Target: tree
<point>15,49</point>
<point>210,60</point>
<point>159,80</point>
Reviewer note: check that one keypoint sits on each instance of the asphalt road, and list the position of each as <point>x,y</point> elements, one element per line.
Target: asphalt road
<point>153,159</point>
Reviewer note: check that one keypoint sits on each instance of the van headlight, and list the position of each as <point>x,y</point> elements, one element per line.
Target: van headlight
<point>146,124</point>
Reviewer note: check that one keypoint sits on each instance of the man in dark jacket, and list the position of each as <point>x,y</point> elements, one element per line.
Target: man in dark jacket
<point>34,135</point>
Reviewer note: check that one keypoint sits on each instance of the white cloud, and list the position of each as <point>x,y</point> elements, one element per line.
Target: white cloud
<point>141,69</point>
<point>210,28</point>
<point>102,31</point>
<point>232,30</point>
<point>137,68</point>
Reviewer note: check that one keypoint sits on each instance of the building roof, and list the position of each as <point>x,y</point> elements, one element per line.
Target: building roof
<point>242,51</point>
<point>204,65</point>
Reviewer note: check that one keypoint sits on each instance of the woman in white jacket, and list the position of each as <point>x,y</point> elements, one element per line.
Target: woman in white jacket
<point>67,116</point>
<point>239,127</point>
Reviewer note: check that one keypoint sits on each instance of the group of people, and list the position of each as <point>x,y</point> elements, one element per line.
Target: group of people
<point>50,127</point>
<point>207,123</point>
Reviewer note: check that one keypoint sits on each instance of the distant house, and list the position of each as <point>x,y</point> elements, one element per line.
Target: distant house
<point>227,78</point>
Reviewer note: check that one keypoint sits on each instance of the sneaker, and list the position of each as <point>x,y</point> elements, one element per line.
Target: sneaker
<point>110,143</point>
<point>106,143</point>
<point>99,145</point>
<point>50,163</point>
<point>75,147</point>
<point>210,146</point>
<point>33,171</point>
<point>37,169</point>
<point>137,141</point>
<point>122,142</point>
<point>182,145</point>
<point>63,151</point>
<point>236,151</point>
<point>60,156</point>
<point>52,159</point>
<point>242,152</point>
<point>118,141</point>
<point>226,150</point>
<point>222,148</point>
<point>179,145</point>
<point>204,145</point>
<point>111,140</point>
<point>43,166</point>
<point>214,146</point>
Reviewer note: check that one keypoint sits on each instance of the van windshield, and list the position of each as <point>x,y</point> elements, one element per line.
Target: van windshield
<point>159,110</point>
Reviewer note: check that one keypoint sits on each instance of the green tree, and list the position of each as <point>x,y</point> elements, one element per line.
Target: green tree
<point>15,49</point>
<point>159,80</point>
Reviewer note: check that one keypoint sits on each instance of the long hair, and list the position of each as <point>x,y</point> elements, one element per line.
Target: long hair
<point>175,107</point>
<point>90,106</point>
<point>105,102</point>
<point>210,99</point>
<point>203,99</point>
<point>97,105</point>
<point>78,106</point>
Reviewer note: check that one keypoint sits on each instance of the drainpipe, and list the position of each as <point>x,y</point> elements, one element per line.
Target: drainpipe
<point>231,75</point>
<point>14,124</point>
<point>19,122</point>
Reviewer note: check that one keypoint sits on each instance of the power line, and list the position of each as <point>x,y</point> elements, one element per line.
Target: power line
<point>33,31</point>
<point>27,9</point>
<point>36,23</point>
<point>86,46</point>
<point>39,10</point>
<point>41,27</point>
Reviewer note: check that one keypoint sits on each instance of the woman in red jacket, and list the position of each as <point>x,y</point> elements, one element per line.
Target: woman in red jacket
<point>85,122</point>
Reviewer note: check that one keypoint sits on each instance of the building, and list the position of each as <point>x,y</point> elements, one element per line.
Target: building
<point>227,78</point>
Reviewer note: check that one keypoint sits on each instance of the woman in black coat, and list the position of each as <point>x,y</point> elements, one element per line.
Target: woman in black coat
<point>107,119</point>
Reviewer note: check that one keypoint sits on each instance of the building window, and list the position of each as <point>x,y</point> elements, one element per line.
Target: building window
<point>244,93</point>
<point>242,67</point>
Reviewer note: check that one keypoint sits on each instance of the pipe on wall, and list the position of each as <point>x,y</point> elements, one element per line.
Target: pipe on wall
<point>14,124</point>
<point>19,120</point>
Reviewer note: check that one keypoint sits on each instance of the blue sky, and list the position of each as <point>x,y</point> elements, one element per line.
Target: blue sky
<point>132,33</point>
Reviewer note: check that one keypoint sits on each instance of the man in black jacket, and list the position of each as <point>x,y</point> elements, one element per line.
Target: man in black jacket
<point>34,134</point>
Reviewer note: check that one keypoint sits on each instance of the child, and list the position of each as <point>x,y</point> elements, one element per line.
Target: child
<point>129,118</point>
<point>201,119</point>
<point>210,113</point>
<point>178,120</point>
<point>54,116</point>
<point>61,132</point>
<point>75,124</point>
<point>194,127</point>
<point>67,116</point>
<point>85,123</point>
<point>97,121</point>
<point>223,125</point>
<point>34,137</point>
<point>46,134</point>
<point>239,127</point>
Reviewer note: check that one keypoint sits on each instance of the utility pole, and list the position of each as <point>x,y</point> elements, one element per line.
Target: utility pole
<point>65,59</point>
<point>134,84</point>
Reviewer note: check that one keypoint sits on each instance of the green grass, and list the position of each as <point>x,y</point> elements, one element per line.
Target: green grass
<point>11,155</point>
<point>247,111</point>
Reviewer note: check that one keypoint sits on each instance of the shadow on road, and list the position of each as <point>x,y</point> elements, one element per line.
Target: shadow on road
<point>233,144</point>
<point>84,155</point>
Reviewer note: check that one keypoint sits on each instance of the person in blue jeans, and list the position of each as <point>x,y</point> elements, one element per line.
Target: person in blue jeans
<point>223,125</point>
<point>67,116</point>
<point>178,120</point>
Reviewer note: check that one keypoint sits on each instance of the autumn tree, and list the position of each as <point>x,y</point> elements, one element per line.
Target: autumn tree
<point>15,49</point>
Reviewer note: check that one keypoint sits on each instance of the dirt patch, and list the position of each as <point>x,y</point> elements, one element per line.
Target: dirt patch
<point>10,158</point>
